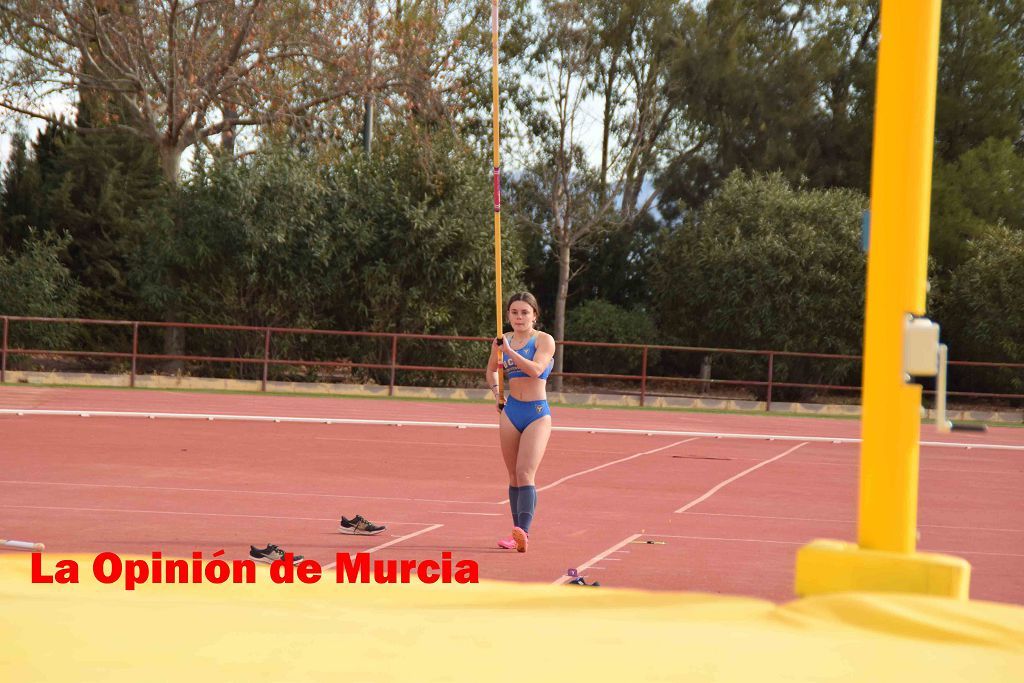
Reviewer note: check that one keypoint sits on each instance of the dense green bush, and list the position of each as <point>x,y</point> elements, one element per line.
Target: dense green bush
<point>397,242</point>
<point>34,282</point>
<point>981,313</point>
<point>765,265</point>
<point>600,321</point>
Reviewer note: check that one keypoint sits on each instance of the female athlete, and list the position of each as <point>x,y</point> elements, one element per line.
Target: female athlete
<point>526,355</point>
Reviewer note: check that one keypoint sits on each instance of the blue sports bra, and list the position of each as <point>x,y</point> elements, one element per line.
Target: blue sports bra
<point>527,352</point>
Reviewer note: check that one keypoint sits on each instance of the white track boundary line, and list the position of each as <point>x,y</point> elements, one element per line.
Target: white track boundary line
<point>391,543</point>
<point>190,514</point>
<point>597,558</point>
<point>304,494</point>
<point>475,425</point>
<point>176,512</point>
<point>721,538</point>
<point>765,540</point>
<point>728,481</point>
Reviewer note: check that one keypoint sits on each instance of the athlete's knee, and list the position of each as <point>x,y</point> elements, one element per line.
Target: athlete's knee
<point>525,475</point>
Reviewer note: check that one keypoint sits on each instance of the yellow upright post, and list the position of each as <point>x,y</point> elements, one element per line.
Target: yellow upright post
<point>885,557</point>
<point>901,185</point>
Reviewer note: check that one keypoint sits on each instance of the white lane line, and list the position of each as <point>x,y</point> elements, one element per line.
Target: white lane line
<point>304,494</point>
<point>468,446</point>
<point>795,519</point>
<point>854,464</point>
<point>968,552</point>
<point>597,558</point>
<point>393,542</point>
<point>728,481</point>
<point>722,538</point>
<point>853,521</point>
<point>447,444</point>
<point>601,467</point>
<point>764,540</point>
<point>482,514</point>
<point>608,464</point>
<point>477,425</point>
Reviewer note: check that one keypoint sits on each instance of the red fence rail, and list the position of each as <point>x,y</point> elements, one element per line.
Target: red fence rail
<point>645,379</point>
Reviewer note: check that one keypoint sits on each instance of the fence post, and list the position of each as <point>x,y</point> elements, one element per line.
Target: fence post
<point>771,371</point>
<point>643,377</point>
<point>394,361</point>
<point>135,351</point>
<point>3,363</point>
<point>266,358</point>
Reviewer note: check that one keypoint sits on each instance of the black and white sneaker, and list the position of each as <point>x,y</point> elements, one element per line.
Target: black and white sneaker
<point>271,553</point>
<point>580,581</point>
<point>359,526</point>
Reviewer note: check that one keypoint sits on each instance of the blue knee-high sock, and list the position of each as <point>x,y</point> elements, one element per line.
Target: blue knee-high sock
<point>527,506</point>
<point>513,502</point>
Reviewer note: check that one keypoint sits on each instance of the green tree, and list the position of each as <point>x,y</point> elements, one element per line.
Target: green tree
<point>781,85</point>
<point>744,83</point>
<point>631,44</point>
<point>560,199</point>
<point>107,192</point>
<point>34,282</point>
<point>19,196</point>
<point>970,196</point>
<point>104,191</point>
<point>842,51</point>
<point>616,266</point>
<point>981,78</point>
<point>981,311</point>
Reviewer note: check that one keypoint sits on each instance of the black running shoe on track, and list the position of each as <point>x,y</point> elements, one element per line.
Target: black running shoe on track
<point>359,526</point>
<point>270,554</point>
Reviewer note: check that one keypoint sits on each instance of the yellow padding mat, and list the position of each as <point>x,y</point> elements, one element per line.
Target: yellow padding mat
<point>486,632</point>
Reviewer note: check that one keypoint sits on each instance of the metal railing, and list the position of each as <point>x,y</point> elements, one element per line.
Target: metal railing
<point>768,384</point>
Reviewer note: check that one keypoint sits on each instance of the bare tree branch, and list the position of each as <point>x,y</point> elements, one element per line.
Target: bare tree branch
<point>165,69</point>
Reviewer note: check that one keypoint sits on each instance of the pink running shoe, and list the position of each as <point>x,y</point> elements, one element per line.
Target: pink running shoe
<point>507,543</point>
<point>521,538</point>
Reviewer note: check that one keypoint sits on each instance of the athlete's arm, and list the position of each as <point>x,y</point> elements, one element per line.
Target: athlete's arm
<point>492,370</point>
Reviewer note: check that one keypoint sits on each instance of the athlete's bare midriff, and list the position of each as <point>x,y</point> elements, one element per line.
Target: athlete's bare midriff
<point>527,389</point>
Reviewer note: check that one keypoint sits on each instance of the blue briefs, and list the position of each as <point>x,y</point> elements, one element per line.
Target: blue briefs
<point>523,413</point>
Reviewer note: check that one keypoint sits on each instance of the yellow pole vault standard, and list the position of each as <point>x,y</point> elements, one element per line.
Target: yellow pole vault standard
<point>885,557</point>
<point>499,313</point>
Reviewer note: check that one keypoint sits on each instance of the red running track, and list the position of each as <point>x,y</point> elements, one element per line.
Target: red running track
<point>725,515</point>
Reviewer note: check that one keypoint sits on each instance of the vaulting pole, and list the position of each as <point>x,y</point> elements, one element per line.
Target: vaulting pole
<point>499,313</point>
